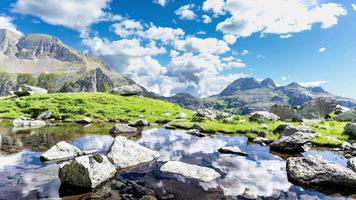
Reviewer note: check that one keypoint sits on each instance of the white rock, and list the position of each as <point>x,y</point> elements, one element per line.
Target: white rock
<point>204,174</point>
<point>28,123</point>
<point>181,115</point>
<point>122,129</point>
<point>87,171</point>
<point>126,153</point>
<point>61,151</point>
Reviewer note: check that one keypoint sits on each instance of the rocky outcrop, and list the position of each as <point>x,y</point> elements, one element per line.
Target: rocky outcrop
<point>126,153</point>
<point>186,101</point>
<point>348,116</point>
<point>61,151</point>
<point>317,172</point>
<point>350,130</point>
<point>211,114</point>
<point>286,112</point>
<point>263,116</point>
<point>351,163</point>
<point>204,174</point>
<point>127,90</point>
<point>121,129</point>
<point>27,90</point>
<point>293,143</point>
<point>8,41</point>
<point>232,150</point>
<point>86,171</point>
<point>24,123</point>
<point>139,123</point>
<point>318,108</point>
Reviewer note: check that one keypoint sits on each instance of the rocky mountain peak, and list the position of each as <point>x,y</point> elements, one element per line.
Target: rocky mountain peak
<point>268,83</point>
<point>8,40</point>
<point>244,84</point>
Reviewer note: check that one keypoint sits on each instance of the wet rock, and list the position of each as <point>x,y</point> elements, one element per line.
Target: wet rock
<point>350,130</point>
<point>196,132</point>
<point>349,149</point>
<point>139,123</point>
<point>204,174</point>
<point>351,163</point>
<point>181,115</point>
<point>293,143</point>
<point>211,114</point>
<point>126,153</point>
<point>85,120</point>
<point>61,151</point>
<point>198,127</point>
<point>263,116</point>
<point>318,108</point>
<point>121,129</point>
<point>348,116</point>
<point>169,126</point>
<point>86,171</point>
<point>28,123</point>
<point>45,115</point>
<point>232,150</point>
<point>262,141</point>
<point>286,112</point>
<point>127,90</point>
<point>315,171</point>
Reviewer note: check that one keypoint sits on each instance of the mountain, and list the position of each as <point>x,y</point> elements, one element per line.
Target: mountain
<point>245,95</point>
<point>185,100</point>
<point>45,61</point>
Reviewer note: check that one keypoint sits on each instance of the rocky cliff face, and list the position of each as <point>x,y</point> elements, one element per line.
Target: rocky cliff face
<point>44,61</point>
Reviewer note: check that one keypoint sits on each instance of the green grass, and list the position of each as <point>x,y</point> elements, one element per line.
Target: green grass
<point>98,106</point>
<point>329,130</point>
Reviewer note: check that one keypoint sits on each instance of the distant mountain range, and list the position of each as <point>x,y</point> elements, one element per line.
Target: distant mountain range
<point>245,95</point>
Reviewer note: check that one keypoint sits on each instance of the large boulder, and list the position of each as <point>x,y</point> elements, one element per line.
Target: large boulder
<point>122,129</point>
<point>348,116</point>
<point>285,112</point>
<point>61,151</point>
<point>211,114</point>
<point>349,149</point>
<point>293,143</point>
<point>128,90</point>
<point>86,171</point>
<point>26,90</point>
<point>350,130</point>
<point>290,130</point>
<point>126,153</point>
<point>351,163</point>
<point>263,116</point>
<point>316,172</point>
<point>318,108</point>
<point>24,123</point>
<point>204,174</point>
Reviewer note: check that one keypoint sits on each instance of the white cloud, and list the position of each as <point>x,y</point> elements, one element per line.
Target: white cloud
<point>127,27</point>
<point>285,78</point>
<point>206,19</point>
<point>244,52</point>
<point>216,6</point>
<point>164,34</point>
<point>281,17</point>
<point>6,23</point>
<point>353,6</point>
<point>286,36</point>
<point>321,50</point>
<point>198,45</point>
<point>77,15</point>
<point>186,12</point>
<point>313,83</point>
<point>231,39</point>
<point>161,2</point>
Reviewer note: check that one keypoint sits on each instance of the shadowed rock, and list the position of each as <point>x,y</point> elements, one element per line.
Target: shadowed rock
<point>232,150</point>
<point>262,116</point>
<point>139,123</point>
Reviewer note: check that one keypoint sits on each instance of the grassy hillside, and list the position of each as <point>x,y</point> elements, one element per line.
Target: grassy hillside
<point>98,106</point>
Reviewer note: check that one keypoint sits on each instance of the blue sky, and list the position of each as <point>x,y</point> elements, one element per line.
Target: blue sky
<point>201,46</point>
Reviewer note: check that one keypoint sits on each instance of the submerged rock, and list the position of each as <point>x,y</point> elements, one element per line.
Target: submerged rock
<point>121,129</point>
<point>126,153</point>
<point>293,143</point>
<point>139,123</point>
<point>86,171</point>
<point>351,163</point>
<point>263,116</point>
<point>61,151</point>
<point>315,171</point>
<point>232,150</point>
<point>350,130</point>
<point>204,174</point>
<point>28,123</point>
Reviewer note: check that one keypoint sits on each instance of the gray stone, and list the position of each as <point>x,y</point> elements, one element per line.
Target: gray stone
<point>26,90</point>
<point>85,120</point>
<point>24,123</point>
<point>211,114</point>
<point>348,116</point>
<point>122,129</point>
<point>350,130</point>
<point>315,171</point>
<point>139,123</point>
<point>262,141</point>
<point>349,149</point>
<point>181,115</point>
<point>204,174</point>
<point>169,126</point>
<point>351,163</point>
<point>60,152</point>
<point>45,115</point>
<point>196,132</point>
<point>126,153</point>
<point>290,130</point>
<point>86,171</point>
<point>232,150</point>
<point>198,127</point>
<point>263,116</point>
<point>293,143</point>
<point>318,108</point>
<point>285,112</point>
<point>128,90</point>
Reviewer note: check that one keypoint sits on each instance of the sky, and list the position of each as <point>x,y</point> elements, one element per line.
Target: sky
<point>201,46</point>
